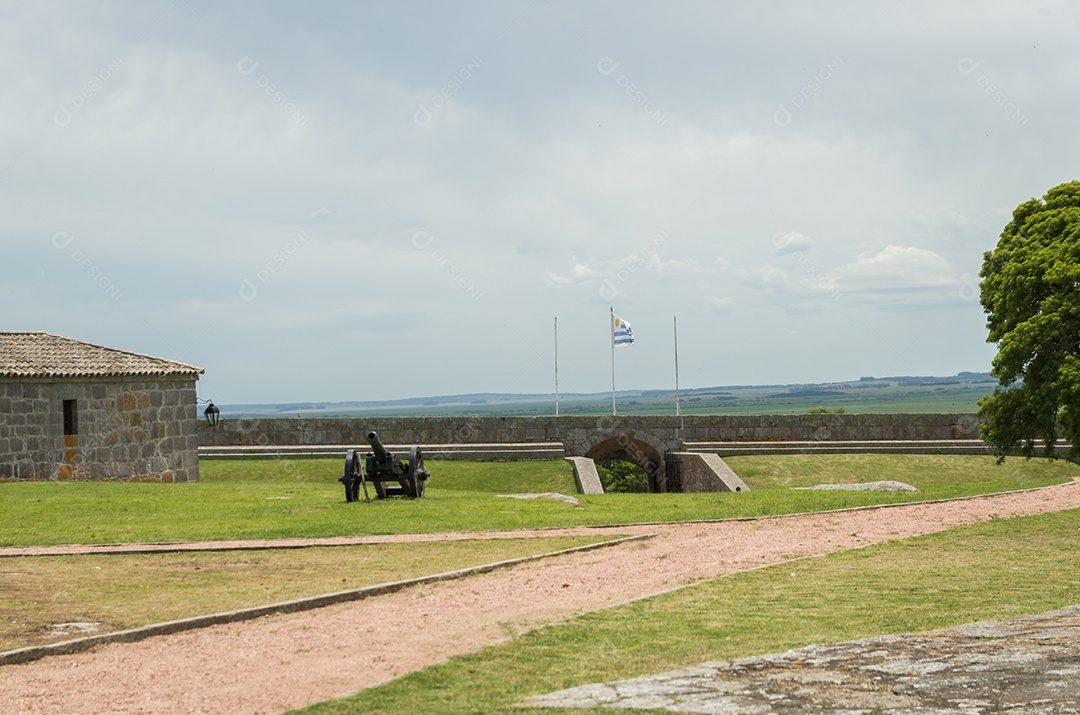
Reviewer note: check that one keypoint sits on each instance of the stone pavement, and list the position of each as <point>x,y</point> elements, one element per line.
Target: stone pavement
<point>1024,666</point>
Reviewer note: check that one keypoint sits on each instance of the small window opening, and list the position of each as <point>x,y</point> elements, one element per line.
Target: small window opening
<point>71,417</point>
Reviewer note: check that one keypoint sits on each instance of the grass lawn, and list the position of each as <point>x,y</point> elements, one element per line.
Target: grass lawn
<point>984,571</point>
<point>939,476</point>
<point>248,499</point>
<point>121,591</point>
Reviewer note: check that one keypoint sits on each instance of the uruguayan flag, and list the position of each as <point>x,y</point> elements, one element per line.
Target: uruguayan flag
<point>621,333</point>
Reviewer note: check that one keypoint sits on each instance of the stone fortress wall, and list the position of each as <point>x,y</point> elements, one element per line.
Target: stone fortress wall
<point>580,434</point>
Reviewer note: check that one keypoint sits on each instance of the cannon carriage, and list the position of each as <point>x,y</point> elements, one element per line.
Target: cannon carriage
<point>380,467</point>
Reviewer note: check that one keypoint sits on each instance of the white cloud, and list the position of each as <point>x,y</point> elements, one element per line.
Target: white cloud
<point>797,288</point>
<point>789,242</point>
<point>904,277</point>
<point>684,267</point>
<point>719,305</point>
<point>897,268</point>
<point>772,278</point>
<point>579,273</point>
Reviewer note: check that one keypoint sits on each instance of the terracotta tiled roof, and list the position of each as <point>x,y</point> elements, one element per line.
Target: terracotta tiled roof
<point>38,354</point>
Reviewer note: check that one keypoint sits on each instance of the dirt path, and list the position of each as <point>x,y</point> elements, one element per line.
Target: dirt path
<point>287,661</point>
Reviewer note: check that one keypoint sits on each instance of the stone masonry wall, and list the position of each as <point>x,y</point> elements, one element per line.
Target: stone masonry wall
<point>578,434</point>
<point>129,429</point>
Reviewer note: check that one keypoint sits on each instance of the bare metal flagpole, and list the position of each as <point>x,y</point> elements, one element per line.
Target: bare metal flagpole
<point>675,323</point>
<point>556,366</point>
<point>612,322</point>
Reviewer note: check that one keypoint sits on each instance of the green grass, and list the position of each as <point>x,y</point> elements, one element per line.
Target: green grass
<point>248,499</point>
<point>986,571</point>
<point>123,591</point>
<point>939,476</point>
<point>485,477</point>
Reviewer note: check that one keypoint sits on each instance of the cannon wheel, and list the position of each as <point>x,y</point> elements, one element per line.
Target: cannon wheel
<point>352,477</point>
<point>408,481</point>
<point>416,469</point>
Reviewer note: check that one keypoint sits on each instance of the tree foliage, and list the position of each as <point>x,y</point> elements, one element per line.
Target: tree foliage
<point>620,476</point>
<point>1030,291</point>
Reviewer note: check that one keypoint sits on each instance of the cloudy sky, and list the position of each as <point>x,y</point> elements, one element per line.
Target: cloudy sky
<point>354,201</point>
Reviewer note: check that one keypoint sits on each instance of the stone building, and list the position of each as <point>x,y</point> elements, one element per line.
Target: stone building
<point>71,410</point>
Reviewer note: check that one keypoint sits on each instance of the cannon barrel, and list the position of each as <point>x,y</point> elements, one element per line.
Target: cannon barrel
<point>376,446</point>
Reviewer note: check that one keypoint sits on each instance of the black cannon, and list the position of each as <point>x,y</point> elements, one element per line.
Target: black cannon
<point>380,467</point>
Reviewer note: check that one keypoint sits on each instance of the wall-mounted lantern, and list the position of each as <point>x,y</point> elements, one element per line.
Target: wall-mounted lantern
<point>211,413</point>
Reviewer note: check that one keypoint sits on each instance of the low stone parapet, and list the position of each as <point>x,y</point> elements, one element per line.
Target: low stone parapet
<point>579,433</point>
<point>508,452</point>
<point>702,472</point>
<point>947,446</point>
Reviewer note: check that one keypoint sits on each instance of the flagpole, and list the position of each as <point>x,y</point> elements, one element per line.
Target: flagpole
<point>675,324</point>
<point>556,366</point>
<point>612,324</point>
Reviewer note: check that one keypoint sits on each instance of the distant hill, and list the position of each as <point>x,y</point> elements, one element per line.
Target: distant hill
<point>902,393</point>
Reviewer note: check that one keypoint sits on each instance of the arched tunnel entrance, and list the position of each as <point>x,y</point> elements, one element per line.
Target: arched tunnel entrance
<point>635,451</point>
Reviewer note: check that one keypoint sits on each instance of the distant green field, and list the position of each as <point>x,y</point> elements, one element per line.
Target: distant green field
<point>960,398</point>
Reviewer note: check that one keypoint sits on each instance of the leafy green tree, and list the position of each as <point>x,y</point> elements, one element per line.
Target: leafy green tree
<point>1030,291</point>
<point>621,476</point>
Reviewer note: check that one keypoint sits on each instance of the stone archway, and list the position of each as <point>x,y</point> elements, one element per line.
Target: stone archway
<point>636,452</point>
